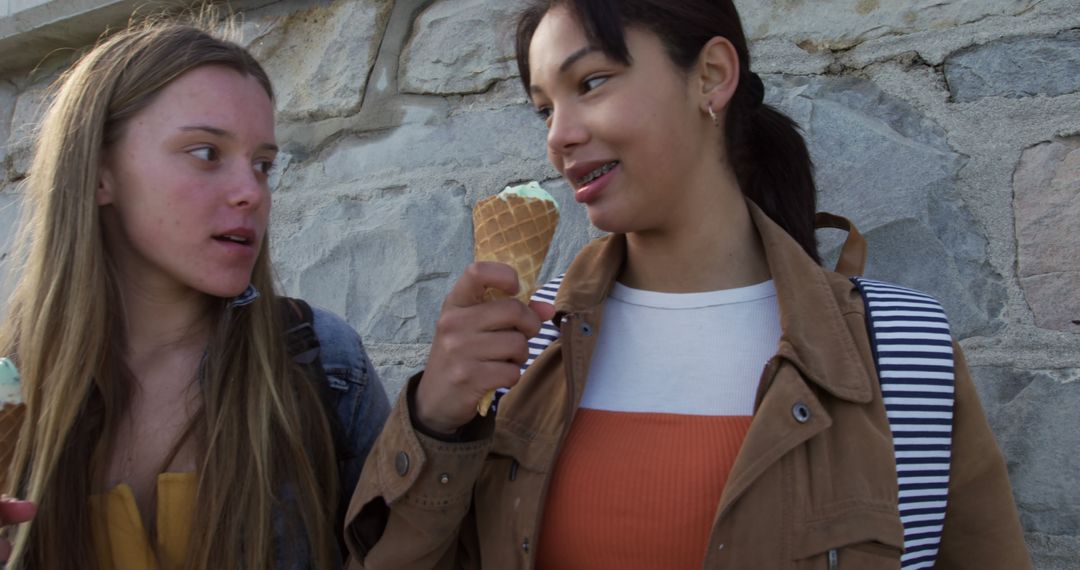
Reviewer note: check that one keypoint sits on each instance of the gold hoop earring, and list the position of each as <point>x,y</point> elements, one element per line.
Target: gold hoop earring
<point>712,115</point>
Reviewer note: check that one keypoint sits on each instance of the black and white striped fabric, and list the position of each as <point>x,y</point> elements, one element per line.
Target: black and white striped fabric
<point>912,346</point>
<point>547,335</point>
<point>914,356</point>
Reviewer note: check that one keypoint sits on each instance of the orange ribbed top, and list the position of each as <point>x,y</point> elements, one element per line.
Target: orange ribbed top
<point>637,490</point>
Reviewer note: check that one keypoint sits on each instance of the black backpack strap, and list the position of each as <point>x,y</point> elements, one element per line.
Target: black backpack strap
<point>300,339</point>
<point>302,344</point>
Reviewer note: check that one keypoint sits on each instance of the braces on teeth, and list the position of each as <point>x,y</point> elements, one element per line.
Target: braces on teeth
<point>598,172</point>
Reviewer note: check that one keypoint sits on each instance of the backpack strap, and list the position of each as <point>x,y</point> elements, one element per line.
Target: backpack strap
<point>853,252</point>
<point>302,345</point>
<point>301,341</point>
<point>913,353</point>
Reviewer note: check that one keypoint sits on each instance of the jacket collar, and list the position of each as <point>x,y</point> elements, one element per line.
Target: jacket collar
<point>814,337</point>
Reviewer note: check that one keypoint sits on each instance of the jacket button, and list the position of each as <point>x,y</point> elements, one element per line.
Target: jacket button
<point>401,463</point>
<point>525,544</point>
<point>801,412</point>
<point>444,478</point>
<point>585,328</point>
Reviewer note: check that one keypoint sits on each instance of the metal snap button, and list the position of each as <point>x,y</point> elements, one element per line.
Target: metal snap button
<point>525,544</point>
<point>444,478</point>
<point>585,328</point>
<point>401,463</point>
<point>801,412</point>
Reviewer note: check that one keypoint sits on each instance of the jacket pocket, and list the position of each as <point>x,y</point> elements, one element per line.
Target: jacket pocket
<point>854,539</point>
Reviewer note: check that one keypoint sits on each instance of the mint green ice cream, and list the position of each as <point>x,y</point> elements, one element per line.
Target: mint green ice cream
<point>530,189</point>
<point>10,390</point>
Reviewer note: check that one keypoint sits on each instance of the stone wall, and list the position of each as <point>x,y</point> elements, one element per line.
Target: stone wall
<point>948,131</point>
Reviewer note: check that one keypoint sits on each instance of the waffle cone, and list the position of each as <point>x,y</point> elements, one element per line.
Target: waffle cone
<point>517,231</point>
<point>11,419</point>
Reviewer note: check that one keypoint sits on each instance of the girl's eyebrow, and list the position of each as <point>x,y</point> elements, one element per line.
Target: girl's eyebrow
<point>212,130</point>
<point>224,134</point>
<point>570,59</point>
<point>565,65</point>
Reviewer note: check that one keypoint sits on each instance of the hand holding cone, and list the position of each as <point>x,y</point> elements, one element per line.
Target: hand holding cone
<point>514,227</point>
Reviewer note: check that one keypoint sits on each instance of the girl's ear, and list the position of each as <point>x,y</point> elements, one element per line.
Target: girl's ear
<point>718,73</point>
<point>106,185</point>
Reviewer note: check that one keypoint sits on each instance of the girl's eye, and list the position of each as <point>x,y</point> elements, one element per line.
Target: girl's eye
<point>544,113</point>
<point>593,82</point>
<point>264,167</point>
<point>207,153</point>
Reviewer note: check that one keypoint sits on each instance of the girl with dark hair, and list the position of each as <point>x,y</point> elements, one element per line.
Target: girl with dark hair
<point>709,398</point>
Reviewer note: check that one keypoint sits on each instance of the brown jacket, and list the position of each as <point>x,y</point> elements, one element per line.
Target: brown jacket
<point>796,491</point>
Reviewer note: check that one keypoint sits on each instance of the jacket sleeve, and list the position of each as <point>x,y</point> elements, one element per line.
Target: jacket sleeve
<point>982,529</point>
<point>412,506</point>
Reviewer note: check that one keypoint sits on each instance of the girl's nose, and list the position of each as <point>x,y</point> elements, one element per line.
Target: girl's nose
<point>248,191</point>
<point>566,131</point>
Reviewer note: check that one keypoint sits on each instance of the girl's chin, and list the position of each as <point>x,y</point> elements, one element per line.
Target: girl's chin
<point>606,221</point>
<point>229,290</point>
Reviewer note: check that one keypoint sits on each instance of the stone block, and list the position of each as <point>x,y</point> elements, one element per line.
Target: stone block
<point>10,209</point>
<point>1046,201</point>
<point>320,58</point>
<point>459,46</point>
<point>15,6</point>
<point>1016,67</point>
<point>383,260</point>
<point>396,363</point>
<point>888,168</point>
<point>484,149</point>
<point>8,96</point>
<point>841,24</point>
<point>30,106</point>
<point>1053,552</point>
<point>1032,414</point>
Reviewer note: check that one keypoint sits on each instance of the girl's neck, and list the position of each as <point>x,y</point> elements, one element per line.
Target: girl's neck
<point>163,322</point>
<point>711,244</point>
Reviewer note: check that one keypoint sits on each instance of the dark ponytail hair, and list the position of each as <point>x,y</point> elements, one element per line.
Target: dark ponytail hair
<point>769,155</point>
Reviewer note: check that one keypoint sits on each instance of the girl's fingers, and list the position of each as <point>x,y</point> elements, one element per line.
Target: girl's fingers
<point>15,511</point>
<point>546,311</point>
<point>500,315</point>
<point>479,277</point>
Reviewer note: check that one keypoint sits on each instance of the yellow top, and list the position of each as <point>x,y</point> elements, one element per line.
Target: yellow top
<point>122,543</point>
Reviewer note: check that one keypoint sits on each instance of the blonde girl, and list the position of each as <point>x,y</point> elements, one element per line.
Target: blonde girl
<point>168,425</point>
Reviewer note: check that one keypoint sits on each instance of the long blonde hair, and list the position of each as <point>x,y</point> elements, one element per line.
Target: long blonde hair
<point>266,465</point>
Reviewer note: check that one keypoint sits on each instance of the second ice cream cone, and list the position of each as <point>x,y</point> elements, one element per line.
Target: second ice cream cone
<point>11,420</point>
<point>12,410</point>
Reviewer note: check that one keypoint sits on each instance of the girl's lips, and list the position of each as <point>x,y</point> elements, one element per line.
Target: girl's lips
<point>237,249</point>
<point>591,192</point>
